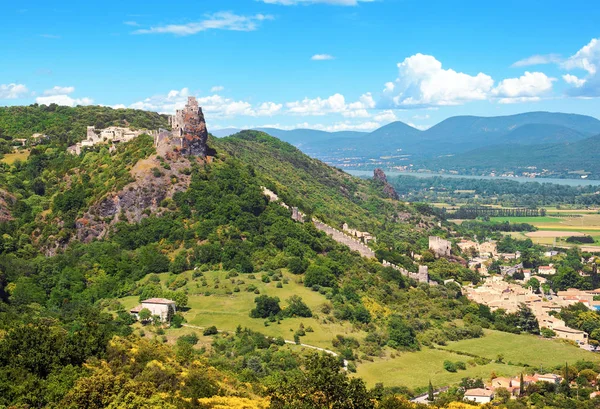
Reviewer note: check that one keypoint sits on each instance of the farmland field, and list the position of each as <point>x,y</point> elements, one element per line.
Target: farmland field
<point>10,158</point>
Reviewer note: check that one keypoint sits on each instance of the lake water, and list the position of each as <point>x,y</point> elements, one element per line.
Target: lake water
<point>568,182</point>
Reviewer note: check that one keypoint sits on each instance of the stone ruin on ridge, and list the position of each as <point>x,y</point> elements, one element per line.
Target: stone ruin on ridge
<point>188,131</point>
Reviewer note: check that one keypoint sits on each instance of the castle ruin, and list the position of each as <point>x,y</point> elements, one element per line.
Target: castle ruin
<point>188,129</point>
<point>439,246</point>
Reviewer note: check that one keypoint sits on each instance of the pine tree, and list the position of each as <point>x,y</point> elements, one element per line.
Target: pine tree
<point>430,395</point>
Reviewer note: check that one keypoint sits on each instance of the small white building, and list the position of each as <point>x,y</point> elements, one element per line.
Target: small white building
<point>157,306</point>
<point>479,395</point>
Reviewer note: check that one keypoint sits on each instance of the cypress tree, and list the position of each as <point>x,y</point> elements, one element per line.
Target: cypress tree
<point>430,395</point>
<point>521,385</point>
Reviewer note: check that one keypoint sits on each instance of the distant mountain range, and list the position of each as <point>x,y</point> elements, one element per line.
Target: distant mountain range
<point>456,142</point>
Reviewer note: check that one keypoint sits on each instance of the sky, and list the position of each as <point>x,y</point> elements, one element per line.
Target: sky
<point>325,64</point>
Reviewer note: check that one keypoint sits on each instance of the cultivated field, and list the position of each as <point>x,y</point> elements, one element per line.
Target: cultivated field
<point>560,224</point>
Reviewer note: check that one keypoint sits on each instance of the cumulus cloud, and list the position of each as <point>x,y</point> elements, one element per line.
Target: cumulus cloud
<point>335,104</point>
<point>538,59</point>
<point>322,57</point>
<point>63,100</point>
<point>214,105</point>
<point>217,88</point>
<point>527,88</point>
<point>56,90</point>
<point>217,21</point>
<point>13,91</point>
<point>586,59</point>
<point>423,82</point>
<point>573,80</point>
<point>306,2</point>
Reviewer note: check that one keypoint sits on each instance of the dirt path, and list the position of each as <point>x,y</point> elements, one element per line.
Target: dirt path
<point>287,341</point>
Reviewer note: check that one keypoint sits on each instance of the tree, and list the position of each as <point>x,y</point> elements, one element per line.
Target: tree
<point>265,307</point>
<point>401,334</point>
<point>144,315</point>
<point>527,321</point>
<point>170,314</point>
<point>321,384</point>
<point>430,394</point>
<point>297,307</point>
<point>521,385</point>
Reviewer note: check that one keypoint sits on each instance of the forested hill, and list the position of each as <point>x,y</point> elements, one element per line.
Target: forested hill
<point>68,124</point>
<point>326,192</point>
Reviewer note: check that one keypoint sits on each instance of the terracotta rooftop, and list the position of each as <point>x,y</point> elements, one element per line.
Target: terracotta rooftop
<point>479,392</point>
<point>158,301</point>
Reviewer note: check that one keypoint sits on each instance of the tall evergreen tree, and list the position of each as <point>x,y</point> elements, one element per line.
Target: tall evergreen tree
<point>430,395</point>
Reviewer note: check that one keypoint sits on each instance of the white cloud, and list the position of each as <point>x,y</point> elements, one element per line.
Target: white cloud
<point>573,80</point>
<point>131,23</point>
<point>13,91</point>
<point>586,59</point>
<point>306,2</point>
<point>419,127</point>
<point>217,88</point>
<point>56,90</point>
<point>216,21</point>
<point>420,117</point>
<point>527,88</point>
<point>335,104</point>
<point>322,57</point>
<point>423,82</point>
<point>63,100</point>
<point>538,59</point>
<point>216,106</point>
<point>386,116</point>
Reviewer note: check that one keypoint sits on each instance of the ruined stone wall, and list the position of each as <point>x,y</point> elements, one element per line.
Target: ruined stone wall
<point>342,238</point>
<point>422,276</point>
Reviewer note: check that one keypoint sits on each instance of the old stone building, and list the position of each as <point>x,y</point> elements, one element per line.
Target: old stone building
<point>439,246</point>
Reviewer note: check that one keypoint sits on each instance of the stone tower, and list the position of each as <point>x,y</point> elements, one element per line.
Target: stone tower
<point>189,129</point>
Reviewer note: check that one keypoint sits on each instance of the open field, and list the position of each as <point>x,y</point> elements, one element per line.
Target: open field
<point>415,369</point>
<point>523,349</point>
<point>227,311</point>
<point>553,233</point>
<point>10,158</point>
<point>554,230</point>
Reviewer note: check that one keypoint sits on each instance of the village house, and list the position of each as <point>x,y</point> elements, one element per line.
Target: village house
<point>110,135</point>
<point>580,337</point>
<point>547,270</point>
<point>479,395</point>
<point>550,378</point>
<point>157,306</point>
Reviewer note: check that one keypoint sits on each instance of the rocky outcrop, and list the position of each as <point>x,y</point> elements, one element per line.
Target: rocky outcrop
<point>154,182</point>
<point>6,202</point>
<point>388,190</point>
<point>189,129</point>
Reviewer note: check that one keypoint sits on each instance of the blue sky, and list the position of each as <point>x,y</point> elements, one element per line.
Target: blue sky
<point>325,64</point>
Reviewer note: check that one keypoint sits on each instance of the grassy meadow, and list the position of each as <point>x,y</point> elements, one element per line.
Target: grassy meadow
<point>415,369</point>
<point>10,158</point>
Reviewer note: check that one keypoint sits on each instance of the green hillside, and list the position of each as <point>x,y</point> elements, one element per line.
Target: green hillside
<point>88,237</point>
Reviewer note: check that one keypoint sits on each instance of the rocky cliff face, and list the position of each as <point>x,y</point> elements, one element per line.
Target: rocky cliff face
<point>380,178</point>
<point>155,184</point>
<point>7,200</point>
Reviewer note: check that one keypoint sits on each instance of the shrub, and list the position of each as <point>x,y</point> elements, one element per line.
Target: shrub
<point>190,339</point>
<point>265,307</point>
<point>212,330</point>
<point>461,365</point>
<point>449,366</point>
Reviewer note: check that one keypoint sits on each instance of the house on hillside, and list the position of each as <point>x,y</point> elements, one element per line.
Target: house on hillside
<point>580,337</point>
<point>549,377</point>
<point>547,270</point>
<point>479,395</point>
<point>157,306</point>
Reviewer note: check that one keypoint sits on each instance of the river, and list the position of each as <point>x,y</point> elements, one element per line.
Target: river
<point>568,182</point>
